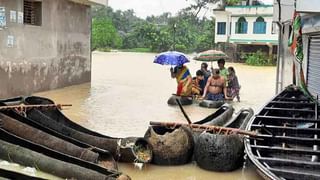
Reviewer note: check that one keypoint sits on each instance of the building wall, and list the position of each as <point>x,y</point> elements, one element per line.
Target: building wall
<point>222,17</point>
<point>250,36</point>
<point>53,55</point>
<point>251,13</point>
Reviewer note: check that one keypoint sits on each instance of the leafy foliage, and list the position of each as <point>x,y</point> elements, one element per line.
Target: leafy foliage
<point>232,2</point>
<point>258,59</point>
<point>122,29</point>
<point>104,34</point>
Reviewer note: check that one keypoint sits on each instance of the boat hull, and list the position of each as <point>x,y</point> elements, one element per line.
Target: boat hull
<point>286,146</point>
<point>184,100</point>
<point>220,152</point>
<point>122,149</point>
<point>170,146</point>
<point>211,104</point>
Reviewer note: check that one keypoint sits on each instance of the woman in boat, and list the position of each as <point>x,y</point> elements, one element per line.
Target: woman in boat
<point>215,89</point>
<point>233,84</point>
<point>184,80</point>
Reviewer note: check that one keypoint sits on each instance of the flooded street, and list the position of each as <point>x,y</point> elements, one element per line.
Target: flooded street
<point>128,90</point>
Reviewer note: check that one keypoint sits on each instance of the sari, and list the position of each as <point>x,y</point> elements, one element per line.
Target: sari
<point>184,86</point>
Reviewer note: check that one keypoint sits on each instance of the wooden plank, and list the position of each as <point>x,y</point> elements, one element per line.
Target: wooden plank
<point>309,165</point>
<point>292,103</point>
<point>288,109</point>
<point>287,139</point>
<point>298,175</point>
<point>280,119</point>
<point>292,99</point>
<point>286,150</point>
<point>287,129</point>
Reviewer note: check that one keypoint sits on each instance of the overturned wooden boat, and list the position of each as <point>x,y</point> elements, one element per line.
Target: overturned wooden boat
<point>185,100</point>
<point>17,150</point>
<point>287,144</point>
<point>222,152</point>
<point>170,146</point>
<point>7,174</point>
<point>35,135</point>
<point>211,104</point>
<point>219,117</point>
<point>174,146</point>
<point>131,149</point>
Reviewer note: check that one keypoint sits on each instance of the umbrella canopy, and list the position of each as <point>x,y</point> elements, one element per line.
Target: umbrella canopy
<point>171,58</point>
<point>210,55</point>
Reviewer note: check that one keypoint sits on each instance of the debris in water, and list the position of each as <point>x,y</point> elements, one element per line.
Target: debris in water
<point>143,153</point>
<point>138,165</point>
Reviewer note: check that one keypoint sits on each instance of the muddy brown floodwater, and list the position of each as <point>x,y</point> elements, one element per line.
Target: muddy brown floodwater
<point>128,90</point>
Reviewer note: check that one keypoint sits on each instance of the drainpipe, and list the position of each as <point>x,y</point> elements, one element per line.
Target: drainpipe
<point>279,48</point>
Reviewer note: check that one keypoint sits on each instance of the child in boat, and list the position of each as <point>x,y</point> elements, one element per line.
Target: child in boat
<point>196,89</point>
<point>233,84</point>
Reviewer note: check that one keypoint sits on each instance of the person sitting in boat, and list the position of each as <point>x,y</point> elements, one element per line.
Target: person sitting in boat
<point>196,89</point>
<point>233,84</point>
<point>215,89</point>
<point>206,74</point>
<point>184,80</point>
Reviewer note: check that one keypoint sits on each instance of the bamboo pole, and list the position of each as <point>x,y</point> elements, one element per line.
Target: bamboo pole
<point>183,112</point>
<point>205,127</point>
<point>22,106</point>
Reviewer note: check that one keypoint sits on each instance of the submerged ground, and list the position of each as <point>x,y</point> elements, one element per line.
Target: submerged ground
<point>128,90</point>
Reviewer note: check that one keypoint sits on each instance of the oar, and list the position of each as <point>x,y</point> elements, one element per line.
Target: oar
<point>183,112</point>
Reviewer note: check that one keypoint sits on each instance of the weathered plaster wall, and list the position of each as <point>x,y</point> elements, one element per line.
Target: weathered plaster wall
<point>53,55</point>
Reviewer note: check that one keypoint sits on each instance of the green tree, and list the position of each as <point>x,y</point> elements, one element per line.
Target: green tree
<point>104,34</point>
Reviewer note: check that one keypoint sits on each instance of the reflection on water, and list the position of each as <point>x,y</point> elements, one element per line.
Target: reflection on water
<point>128,90</point>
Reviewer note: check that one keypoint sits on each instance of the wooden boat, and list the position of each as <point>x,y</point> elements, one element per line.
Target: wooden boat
<point>287,144</point>
<point>24,152</point>
<point>185,100</point>
<point>131,149</point>
<point>170,146</point>
<point>7,174</point>
<point>211,104</point>
<point>40,137</point>
<point>219,117</point>
<point>222,152</point>
<point>175,146</point>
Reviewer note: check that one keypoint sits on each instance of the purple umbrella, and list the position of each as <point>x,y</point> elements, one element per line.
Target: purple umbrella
<point>171,58</point>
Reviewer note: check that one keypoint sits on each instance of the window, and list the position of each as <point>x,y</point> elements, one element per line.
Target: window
<point>241,26</point>
<point>32,11</point>
<point>259,27</point>
<point>221,28</point>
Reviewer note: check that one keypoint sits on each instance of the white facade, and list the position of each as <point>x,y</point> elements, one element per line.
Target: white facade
<point>231,15</point>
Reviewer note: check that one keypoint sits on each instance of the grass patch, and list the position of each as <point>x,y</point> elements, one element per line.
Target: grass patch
<point>104,49</point>
<point>137,50</point>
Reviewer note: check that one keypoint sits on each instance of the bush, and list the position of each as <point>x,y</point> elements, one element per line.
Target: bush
<point>181,47</point>
<point>258,59</point>
<point>106,49</point>
<point>137,50</point>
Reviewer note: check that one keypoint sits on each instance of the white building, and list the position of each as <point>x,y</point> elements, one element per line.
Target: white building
<point>247,28</point>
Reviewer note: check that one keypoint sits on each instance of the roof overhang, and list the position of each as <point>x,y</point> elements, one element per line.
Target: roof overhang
<point>91,2</point>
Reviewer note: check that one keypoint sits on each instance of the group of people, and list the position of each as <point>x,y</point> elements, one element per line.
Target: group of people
<point>218,84</point>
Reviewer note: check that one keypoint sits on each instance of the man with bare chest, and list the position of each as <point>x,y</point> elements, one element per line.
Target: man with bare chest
<point>215,88</point>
